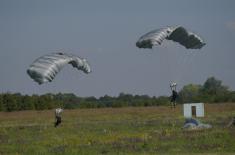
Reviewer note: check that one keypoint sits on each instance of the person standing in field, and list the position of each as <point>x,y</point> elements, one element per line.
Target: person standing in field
<point>58,113</point>
<point>174,94</point>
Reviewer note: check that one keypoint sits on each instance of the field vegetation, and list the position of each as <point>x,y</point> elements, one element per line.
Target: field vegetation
<point>128,130</point>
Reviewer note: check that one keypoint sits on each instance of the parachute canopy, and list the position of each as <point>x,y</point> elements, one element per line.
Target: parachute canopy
<point>178,34</point>
<point>45,68</point>
<point>193,124</point>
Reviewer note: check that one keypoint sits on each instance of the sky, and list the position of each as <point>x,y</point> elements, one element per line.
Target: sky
<point>105,32</point>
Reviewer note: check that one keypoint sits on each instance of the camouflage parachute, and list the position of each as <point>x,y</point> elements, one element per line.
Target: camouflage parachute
<point>45,68</point>
<point>178,34</point>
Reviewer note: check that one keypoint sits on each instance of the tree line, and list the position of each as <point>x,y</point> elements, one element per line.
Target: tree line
<point>212,91</point>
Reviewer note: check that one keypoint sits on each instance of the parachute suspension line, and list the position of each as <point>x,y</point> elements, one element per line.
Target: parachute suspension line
<point>181,64</point>
<point>173,66</point>
<point>169,68</point>
<point>187,65</point>
<point>178,69</point>
<point>177,34</point>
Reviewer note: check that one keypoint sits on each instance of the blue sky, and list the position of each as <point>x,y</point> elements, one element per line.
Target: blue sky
<point>104,32</point>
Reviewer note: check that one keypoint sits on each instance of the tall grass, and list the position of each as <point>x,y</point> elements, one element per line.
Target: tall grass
<point>150,130</point>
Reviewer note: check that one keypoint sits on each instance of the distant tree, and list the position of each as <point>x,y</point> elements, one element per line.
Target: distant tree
<point>163,100</point>
<point>2,107</point>
<point>26,103</point>
<point>10,102</point>
<point>106,101</point>
<point>232,96</point>
<point>211,91</point>
<point>190,93</point>
<point>91,99</point>
<point>214,91</point>
<point>123,100</point>
<point>212,86</point>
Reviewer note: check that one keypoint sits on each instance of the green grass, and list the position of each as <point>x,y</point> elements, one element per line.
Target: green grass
<point>150,130</point>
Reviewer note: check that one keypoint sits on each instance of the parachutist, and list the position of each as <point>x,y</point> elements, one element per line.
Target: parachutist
<point>174,94</point>
<point>58,113</point>
<point>173,98</point>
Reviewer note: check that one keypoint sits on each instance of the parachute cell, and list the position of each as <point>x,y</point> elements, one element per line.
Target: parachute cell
<point>178,34</point>
<point>45,68</point>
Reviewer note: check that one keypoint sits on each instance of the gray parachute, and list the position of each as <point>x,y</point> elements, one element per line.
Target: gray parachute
<point>45,68</point>
<point>178,34</point>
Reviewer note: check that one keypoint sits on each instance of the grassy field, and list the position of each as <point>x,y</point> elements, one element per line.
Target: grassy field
<point>141,130</point>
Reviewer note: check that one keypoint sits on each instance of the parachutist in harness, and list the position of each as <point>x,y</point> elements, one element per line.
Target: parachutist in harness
<point>58,113</point>
<point>174,94</point>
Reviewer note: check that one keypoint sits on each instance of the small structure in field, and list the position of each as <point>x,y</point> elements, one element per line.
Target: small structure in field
<point>193,110</point>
